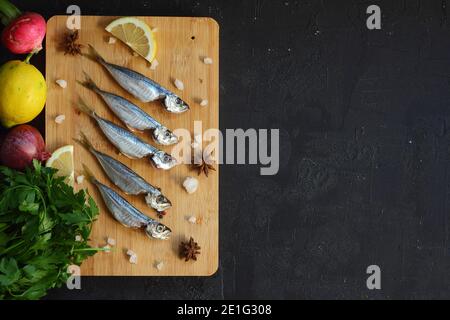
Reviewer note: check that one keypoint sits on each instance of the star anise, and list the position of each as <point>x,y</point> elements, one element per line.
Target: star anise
<point>70,44</point>
<point>204,167</point>
<point>189,250</point>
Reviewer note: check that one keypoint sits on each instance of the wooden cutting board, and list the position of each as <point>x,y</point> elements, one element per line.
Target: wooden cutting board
<point>182,44</point>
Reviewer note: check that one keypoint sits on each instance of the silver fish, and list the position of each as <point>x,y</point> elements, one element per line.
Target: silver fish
<point>140,86</point>
<point>126,179</point>
<point>127,143</point>
<point>127,214</point>
<point>133,116</point>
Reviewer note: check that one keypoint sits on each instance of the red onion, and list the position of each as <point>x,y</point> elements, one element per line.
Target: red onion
<point>21,145</point>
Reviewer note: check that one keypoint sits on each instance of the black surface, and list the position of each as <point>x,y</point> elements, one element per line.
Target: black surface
<point>365,151</point>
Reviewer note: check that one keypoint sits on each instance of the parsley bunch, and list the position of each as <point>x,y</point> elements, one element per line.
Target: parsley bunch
<point>41,219</point>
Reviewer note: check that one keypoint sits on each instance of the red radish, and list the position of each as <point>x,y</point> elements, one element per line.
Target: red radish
<point>21,145</point>
<point>24,32</point>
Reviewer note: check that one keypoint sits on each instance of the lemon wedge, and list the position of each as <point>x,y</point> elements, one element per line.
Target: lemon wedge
<point>136,34</point>
<point>62,159</point>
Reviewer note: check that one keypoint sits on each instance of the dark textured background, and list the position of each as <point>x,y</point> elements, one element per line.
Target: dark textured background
<point>364,175</point>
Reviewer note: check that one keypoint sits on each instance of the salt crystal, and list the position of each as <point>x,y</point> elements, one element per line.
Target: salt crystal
<point>190,184</point>
<point>112,40</point>
<point>204,103</point>
<point>154,64</point>
<point>207,60</point>
<point>133,256</point>
<point>133,259</point>
<point>179,84</point>
<point>61,83</point>
<point>60,119</point>
<point>159,265</point>
<point>155,30</point>
<point>111,241</point>
<point>192,220</point>
<point>80,179</point>
<point>107,248</point>
<point>78,238</point>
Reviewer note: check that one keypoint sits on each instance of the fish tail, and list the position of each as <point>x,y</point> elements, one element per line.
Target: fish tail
<point>93,54</point>
<point>89,83</point>
<point>84,142</point>
<point>83,107</point>
<point>88,173</point>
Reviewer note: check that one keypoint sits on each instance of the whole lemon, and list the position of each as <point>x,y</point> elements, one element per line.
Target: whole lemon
<point>23,92</point>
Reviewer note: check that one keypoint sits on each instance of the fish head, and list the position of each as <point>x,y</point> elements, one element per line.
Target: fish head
<point>158,202</point>
<point>158,231</point>
<point>175,104</point>
<point>164,136</point>
<point>163,160</point>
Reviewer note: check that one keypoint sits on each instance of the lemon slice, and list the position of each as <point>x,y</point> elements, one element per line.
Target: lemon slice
<point>62,159</point>
<point>136,34</point>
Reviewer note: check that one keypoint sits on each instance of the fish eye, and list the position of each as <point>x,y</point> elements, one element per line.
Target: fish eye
<point>178,101</point>
<point>160,198</point>
<point>166,157</point>
<point>167,134</point>
<point>160,228</point>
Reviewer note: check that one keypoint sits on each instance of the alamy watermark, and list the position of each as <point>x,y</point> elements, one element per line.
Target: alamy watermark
<point>241,146</point>
<point>234,146</point>
<point>374,20</point>
<point>74,20</point>
<point>74,280</point>
<point>374,280</point>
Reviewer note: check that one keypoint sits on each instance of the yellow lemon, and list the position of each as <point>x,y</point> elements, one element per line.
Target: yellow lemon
<point>136,34</point>
<point>23,92</point>
<point>62,159</point>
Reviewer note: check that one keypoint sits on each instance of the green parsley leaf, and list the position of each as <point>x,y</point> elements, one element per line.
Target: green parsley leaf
<point>40,216</point>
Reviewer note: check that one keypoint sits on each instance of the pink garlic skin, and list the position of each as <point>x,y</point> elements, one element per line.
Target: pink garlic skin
<point>25,33</point>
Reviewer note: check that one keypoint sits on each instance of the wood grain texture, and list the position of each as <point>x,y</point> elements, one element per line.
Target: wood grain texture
<point>182,43</point>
